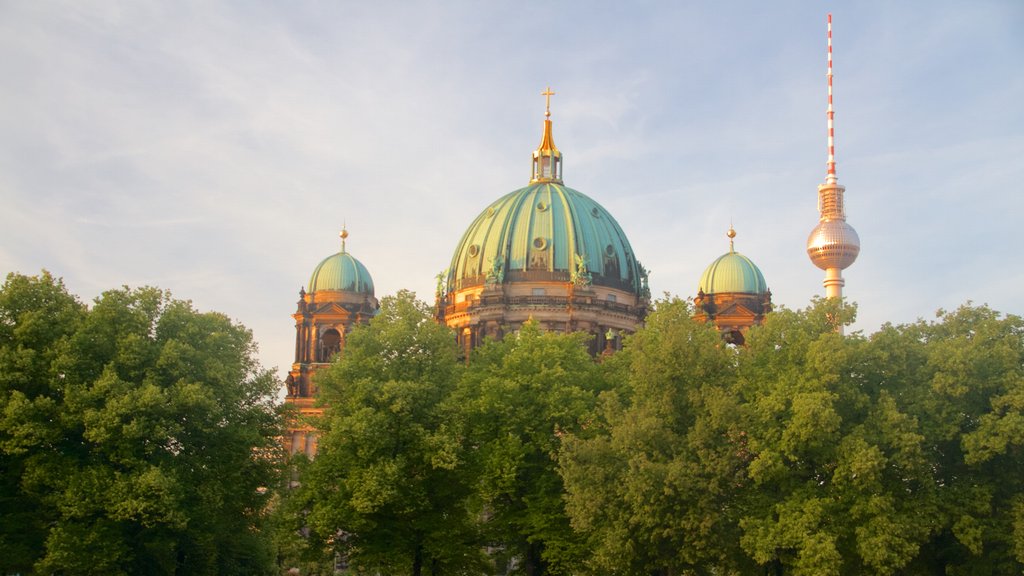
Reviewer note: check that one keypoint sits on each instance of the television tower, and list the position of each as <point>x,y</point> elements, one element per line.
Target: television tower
<point>833,244</point>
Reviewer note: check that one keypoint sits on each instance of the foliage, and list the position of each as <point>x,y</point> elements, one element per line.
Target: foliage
<point>135,436</point>
<point>839,482</point>
<point>654,488</point>
<point>807,452</point>
<point>518,398</point>
<point>387,489</point>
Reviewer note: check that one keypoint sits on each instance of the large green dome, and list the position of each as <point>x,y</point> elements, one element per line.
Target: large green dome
<point>341,272</point>
<point>543,232</point>
<point>732,273</point>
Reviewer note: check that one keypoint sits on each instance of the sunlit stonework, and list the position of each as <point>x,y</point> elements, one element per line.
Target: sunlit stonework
<point>340,296</point>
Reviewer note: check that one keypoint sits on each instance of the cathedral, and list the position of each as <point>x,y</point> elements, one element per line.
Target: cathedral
<point>553,255</point>
<point>546,253</point>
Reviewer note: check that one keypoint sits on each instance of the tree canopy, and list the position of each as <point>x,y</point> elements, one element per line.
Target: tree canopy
<point>806,451</point>
<point>387,489</point>
<point>802,452</point>
<point>136,435</point>
<point>516,401</point>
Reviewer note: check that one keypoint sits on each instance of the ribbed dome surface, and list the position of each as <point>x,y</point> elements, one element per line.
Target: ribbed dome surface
<point>732,273</point>
<point>341,272</point>
<point>536,232</point>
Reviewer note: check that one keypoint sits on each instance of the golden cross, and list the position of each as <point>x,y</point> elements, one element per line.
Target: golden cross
<point>547,96</point>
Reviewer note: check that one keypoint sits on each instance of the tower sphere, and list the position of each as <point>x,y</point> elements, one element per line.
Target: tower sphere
<point>833,244</point>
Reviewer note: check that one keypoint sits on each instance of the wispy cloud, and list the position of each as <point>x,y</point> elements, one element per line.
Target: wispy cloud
<point>215,148</point>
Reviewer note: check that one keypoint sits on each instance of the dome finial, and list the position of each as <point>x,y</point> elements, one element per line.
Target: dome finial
<point>547,160</point>
<point>731,234</point>
<point>547,94</point>
<point>343,235</point>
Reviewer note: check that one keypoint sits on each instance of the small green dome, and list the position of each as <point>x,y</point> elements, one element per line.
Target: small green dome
<point>732,273</point>
<point>536,233</point>
<point>341,272</point>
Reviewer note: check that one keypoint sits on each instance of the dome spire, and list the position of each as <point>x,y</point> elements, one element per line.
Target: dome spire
<point>833,244</point>
<point>731,234</point>
<point>547,160</point>
<point>547,94</point>
<point>343,235</point>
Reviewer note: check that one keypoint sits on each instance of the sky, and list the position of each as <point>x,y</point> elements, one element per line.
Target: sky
<point>215,149</point>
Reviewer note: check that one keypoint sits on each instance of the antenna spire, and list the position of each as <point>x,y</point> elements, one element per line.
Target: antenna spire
<point>831,177</point>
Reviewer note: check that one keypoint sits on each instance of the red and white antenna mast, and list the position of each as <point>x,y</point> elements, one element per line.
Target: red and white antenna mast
<point>830,112</point>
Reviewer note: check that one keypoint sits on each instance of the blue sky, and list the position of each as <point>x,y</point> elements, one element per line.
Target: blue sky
<point>215,148</point>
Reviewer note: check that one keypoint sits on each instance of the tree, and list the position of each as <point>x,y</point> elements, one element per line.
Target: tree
<point>805,451</point>
<point>840,482</point>
<point>387,489</point>
<point>141,431</point>
<point>970,368</point>
<point>37,316</point>
<point>518,399</point>
<point>653,484</point>
<point>898,453</point>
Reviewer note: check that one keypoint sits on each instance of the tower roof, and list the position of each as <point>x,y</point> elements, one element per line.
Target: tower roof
<point>733,273</point>
<point>341,272</point>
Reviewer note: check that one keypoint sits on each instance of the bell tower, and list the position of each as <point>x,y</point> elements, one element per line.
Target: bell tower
<point>340,297</point>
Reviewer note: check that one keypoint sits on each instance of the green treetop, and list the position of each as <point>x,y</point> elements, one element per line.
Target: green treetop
<point>137,436</point>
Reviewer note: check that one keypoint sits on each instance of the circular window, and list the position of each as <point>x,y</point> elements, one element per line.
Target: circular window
<point>490,211</point>
<point>595,212</point>
<point>540,243</point>
<point>609,250</point>
<point>473,250</point>
<point>541,206</point>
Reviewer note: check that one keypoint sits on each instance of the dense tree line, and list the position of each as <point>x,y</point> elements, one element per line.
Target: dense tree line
<point>137,436</point>
<point>803,452</point>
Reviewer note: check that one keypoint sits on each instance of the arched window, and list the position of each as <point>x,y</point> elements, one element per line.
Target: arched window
<point>330,344</point>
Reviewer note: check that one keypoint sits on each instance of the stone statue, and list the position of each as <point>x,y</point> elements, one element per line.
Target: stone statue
<point>440,290</point>
<point>579,275</point>
<point>645,287</point>
<point>496,275</point>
